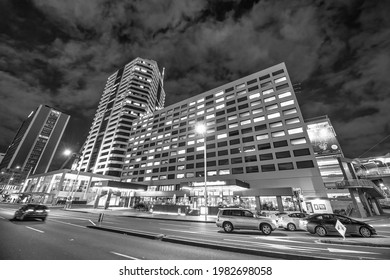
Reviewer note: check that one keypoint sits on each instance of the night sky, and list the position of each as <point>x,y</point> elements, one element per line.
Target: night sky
<point>60,53</point>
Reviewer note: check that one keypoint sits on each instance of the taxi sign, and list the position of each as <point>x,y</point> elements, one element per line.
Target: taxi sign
<point>341,228</point>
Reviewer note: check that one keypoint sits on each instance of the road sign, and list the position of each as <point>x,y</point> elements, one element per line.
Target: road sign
<point>341,228</point>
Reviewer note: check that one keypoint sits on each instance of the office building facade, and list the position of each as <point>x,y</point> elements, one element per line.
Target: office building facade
<point>132,90</point>
<point>33,147</point>
<point>257,147</point>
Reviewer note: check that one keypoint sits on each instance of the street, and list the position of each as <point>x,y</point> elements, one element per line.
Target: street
<point>66,236</point>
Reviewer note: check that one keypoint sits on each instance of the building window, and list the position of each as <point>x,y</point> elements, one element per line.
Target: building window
<point>278,134</point>
<point>223,162</point>
<point>252,169</point>
<point>305,164</point>
<point>236,160</point>
<point>284,154</point>
<point>224,172</point>
<point>238,170</point>
<point>273,116</point>
<point>251,158</point>
<point>266,157</point>
<point>264,146</point>
<point>285,166</point>
<point>287,103</point>
<point>279,144</point>
<point>268,168</point>
<point>281,79</point>
<point>298,141</point>
<point>293,121</point>
<point>301,152</point>
<point>295,130</point>
<point>290,111</point>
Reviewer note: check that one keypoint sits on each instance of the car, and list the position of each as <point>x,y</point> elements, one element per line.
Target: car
<point>325,224</point>
<point>32,211</point>
<point>238,218</point>
<point>291,221</point>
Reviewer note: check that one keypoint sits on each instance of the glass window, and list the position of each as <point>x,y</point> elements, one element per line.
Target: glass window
<point>271,107</point>
<point>259,119</point>
<point>295,130</point>
<point>278,134</point>
<point>305,164</point>
<point>252,169</point>
<point>262,136</point>
<point>268,168</point>
<point>224,172</point>
<point>301,152</point>
<point>283,154</point>
<point>268,91</point>
<point>251,158</point>
<point>268,156</point>
<point>285,166</point>
<point>281,79</point>
<point>238,170</point>
<point>287,103</point>
<point>290,111</point>
<point>268,203</point>
<point>292,121</point>
<point>254,95</point>
<point>298,141</point>
<point>236,160</point>
<point>275,124</point>
<point>273,116</point>
<point>264,146</point>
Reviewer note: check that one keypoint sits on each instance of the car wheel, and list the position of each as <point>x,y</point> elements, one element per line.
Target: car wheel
<point>266,229</point>
<point>291,227</point>
<point>320,231</point>
<point>227,227</point>
<point>365,232</point>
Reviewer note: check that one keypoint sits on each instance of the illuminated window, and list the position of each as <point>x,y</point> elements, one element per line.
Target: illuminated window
<point>255,103</point>
<point>259,119</point>
<point>256,111</point>
<point>255,95</point>
<point>244,122</point>
<point>219,93</point>
<point>273,116</point>
<point>275,124</point>
<point>295,130</point>
<point>232,125</point>
<point>271,107</point>
<point>224,172</point>
<point>287,103</point>
<point>281,79</point>
<point>269,99</point>
<point>292,121</point>
<point>262,136</point>
<point>268,91</point>
<point>290,111</point>
<point>219,100</point>
<point>221,136</point>
<point>278,134</point>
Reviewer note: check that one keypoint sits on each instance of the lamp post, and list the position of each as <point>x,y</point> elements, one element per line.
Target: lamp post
<point>201,128</point>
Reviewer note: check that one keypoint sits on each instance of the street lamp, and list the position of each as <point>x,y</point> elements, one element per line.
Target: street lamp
<point>201,129</point>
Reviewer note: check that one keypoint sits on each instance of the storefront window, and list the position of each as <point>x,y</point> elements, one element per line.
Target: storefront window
<point>268,203</point>
<point>288,203</point>
<point>248,202</point>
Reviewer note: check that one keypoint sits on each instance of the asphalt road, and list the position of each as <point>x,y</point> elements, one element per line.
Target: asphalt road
<point>65,236</point>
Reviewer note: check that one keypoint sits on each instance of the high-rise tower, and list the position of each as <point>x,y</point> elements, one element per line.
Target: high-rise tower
<point>36,141</point>
<point>132,90</point>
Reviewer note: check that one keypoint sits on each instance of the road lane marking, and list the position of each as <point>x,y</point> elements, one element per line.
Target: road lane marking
<point>125,256</point>
<point>68,224</point>
<point>278,239</point>
<point>92,222</point>
<point>2,218</point>
<point>35,229</point>
<point>335,250</point>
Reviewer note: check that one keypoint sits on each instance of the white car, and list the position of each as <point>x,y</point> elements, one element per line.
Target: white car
<point>238,218</point>
<point>291,221</point>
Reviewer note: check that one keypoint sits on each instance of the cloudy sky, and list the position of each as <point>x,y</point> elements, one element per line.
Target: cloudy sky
<point>60,53</point>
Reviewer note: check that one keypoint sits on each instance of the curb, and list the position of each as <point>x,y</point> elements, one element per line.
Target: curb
<point>210,245</point>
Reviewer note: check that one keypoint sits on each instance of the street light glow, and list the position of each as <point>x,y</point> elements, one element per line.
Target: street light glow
<point>67,152</point>
<point>200,128</point>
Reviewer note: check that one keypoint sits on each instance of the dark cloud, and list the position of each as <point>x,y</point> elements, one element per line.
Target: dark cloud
<point>60,53</point>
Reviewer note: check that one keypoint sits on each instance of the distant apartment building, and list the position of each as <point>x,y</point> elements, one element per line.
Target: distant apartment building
<point>36,141</point>
<point>257,148</point>
<point>135,89</point>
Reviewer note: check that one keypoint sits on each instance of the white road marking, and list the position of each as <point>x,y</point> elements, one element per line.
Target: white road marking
<point>35,229</point>
<point>92,222</point>
<point>67,223</point>
<point>185,231</point>
<point>176,225</point>
<point>125,256</point>
<point>335,250</point>
<point>278,239</point>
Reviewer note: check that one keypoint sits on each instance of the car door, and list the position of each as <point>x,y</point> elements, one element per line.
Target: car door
<point>351,228</point>
<point>329,222</point>
<point>248,221</point>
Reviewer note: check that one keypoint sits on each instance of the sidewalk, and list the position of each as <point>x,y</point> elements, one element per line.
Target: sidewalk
<point>374,241</point>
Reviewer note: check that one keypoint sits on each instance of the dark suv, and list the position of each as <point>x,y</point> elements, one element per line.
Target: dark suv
<point>239,218</point>
<point>32,211</point>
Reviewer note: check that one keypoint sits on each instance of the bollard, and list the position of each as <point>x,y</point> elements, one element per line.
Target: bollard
<point>100,219</point>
